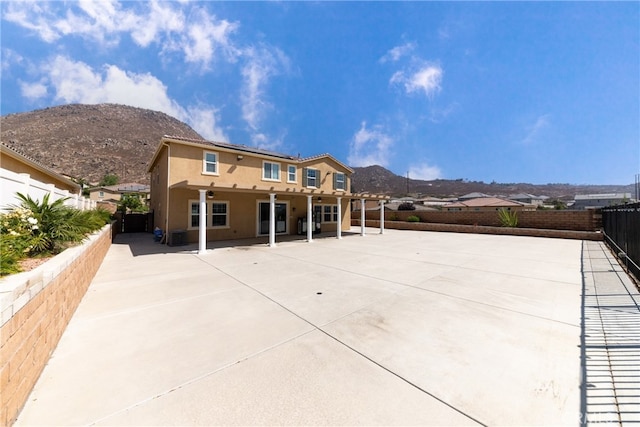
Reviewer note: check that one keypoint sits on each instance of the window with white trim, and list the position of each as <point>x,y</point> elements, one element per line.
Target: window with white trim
<point>219,214</point>
<point>210,163</point>
<point>271,171</point>
<point>329,213</point>
<point>218,217</point>
<point>292,174</point>
<point>311,178</point>
<point>339,181</point>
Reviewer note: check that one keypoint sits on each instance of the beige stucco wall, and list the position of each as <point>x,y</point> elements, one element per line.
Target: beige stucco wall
<point>187,165</point>
<point>243,213</point>
<point>108,195</point>
<point>158,195</point>
<point>7,161</point>
<point>239,182</point>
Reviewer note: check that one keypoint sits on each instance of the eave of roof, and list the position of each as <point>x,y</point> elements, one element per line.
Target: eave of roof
<point>240,149</point>
<point>12,152</point>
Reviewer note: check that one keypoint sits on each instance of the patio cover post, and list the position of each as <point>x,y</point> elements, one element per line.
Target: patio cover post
<point>309,219</point>
<point>339,234</point>
<point>381,216</point>
<point>272,219</point>
<point>362,216</point>
<point>202,225</point>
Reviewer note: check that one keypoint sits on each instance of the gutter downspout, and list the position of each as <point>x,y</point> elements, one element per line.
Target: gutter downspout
<point>166,218</point>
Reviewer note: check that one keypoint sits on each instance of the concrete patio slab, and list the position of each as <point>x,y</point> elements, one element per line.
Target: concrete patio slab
<point>405,328</point>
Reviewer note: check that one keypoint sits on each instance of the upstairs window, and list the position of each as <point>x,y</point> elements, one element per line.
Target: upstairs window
<point>311,178</point>
<point>339,181</point>
<point>292,173</point>
<point>210,163</point>
<point>271,171</point>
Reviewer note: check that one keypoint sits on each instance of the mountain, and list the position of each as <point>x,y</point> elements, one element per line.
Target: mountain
<point>89,141</point>
<point>377,179</point>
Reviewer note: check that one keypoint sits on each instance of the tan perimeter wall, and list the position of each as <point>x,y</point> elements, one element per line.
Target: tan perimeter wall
<point>36,308</point>
<point>587,220</point>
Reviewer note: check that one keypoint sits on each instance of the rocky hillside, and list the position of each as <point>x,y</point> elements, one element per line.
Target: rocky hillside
<point>380,180</point>
<point>89,141</point>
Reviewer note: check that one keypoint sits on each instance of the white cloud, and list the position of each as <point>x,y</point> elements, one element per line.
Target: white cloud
<point>370,147</point>
<point>105,21</point>
<point>425,172</point>
<point>9,58</point>
<point>33,91</point>
<point>398,52</point>
<point>533,131</point>
<point>205,120</point>
<point>261,64</point>
<point>34,16</point>
<point>427,79</point>
<point>76,82</point>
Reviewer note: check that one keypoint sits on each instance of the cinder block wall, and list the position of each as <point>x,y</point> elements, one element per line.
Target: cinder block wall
<point>587,220</point>
<point>36,311</point>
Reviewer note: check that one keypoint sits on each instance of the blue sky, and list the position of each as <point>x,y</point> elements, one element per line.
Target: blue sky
<point>541,92</point>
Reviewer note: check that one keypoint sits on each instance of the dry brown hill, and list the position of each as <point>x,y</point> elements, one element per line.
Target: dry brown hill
<point>380,180</point>
<point>89,141</point>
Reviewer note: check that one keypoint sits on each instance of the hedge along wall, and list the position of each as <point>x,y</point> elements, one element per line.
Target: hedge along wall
<point>36,308</point>
<point>587,220</point>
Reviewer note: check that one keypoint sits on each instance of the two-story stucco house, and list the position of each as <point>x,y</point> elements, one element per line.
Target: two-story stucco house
<point>206,191</point>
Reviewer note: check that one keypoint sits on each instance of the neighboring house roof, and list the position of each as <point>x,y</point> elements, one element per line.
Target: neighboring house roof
<point>609,196</point>
<point>484,202</point>
<point>34,164</point>
<point>473,196</point>
<point>132,187</point>
<point>243,149</point>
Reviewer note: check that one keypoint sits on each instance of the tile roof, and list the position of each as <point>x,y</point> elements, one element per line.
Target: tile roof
<point>484,202</point>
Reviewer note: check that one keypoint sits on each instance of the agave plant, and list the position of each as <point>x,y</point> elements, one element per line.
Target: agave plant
<point>508,218</point>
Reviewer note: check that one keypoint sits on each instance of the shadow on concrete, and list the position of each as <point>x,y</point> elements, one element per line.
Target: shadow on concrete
<point>142,244</point>
<point>610,341</point>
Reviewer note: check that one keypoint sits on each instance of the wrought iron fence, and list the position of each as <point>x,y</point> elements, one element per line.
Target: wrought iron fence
<point>621,226</point>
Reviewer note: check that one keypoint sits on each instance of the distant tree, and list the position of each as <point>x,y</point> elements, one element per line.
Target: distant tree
<point>109,179</point>
<point>131,202</point>
<point>406,206</point>
<point>84,185</point>
<point>559,205</point>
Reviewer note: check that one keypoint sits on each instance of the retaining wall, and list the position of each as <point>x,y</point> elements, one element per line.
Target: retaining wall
<point>586,220</point>
<point>484,229</point>
<point>36,307</point>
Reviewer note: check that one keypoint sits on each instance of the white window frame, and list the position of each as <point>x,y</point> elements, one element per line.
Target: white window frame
<point>264,177</point>
<point>209,213</point>
<point>226,213</point>
<point>316,178</point>
<point>292,169</point>
<point>205,162</point>
<point>333,212</point>
<point>343,182</point>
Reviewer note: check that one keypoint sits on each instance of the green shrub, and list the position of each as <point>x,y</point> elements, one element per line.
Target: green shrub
<point>508,218</point>
<point>413,218</point>
<point>41,228</point>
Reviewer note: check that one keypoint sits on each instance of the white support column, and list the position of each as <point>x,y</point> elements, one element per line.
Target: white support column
<point>202,226</point>
<point>310,219</point>
<point>339,234</point>
<point>381,216</point>
<point>362,216</point>
<point>272,220</point>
